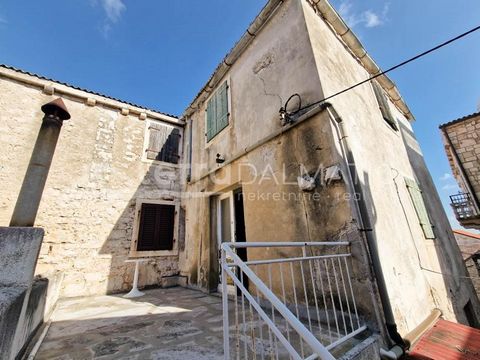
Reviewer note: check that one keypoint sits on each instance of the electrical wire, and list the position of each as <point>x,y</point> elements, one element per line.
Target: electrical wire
<point>395,67</point>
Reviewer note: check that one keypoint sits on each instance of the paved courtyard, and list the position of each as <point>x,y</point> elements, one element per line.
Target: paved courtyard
<point>175,323</point>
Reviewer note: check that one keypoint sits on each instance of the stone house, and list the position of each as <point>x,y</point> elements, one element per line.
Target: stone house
<point>398,220</point>
<point>462,145</point>
<point>107,164</point>
<point>469,244</point>
<point>255,157</point>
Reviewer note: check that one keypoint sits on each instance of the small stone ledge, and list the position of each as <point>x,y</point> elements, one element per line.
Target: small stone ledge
<point>368,349</point>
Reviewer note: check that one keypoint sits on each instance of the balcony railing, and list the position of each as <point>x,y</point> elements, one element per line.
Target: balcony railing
<point>463,206</point>
<point>288,307</point>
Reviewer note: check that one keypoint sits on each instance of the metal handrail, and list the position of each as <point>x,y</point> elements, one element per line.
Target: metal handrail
<point>320,351</point>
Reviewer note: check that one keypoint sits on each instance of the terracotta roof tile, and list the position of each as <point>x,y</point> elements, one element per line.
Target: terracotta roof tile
<point>82,89</point>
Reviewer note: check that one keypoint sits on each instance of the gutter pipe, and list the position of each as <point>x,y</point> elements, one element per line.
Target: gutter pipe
<point>355,47</point>
<point>365,227</point>
<point>259,22</point>
<point>296,121</point>
<point>338,27</point>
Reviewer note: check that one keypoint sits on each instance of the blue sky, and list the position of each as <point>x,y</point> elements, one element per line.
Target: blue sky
<point>160,53</point>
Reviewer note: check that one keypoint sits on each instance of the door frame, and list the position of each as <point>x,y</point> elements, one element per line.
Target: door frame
<point>223,196</point>
<point>219,198</point>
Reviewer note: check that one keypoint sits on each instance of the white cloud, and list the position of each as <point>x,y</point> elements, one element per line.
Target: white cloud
<point>113,9</point>
<point>448,187</point>
<point>3,20</point>
<point>367,18</point>
<point>371,19</point>
<point>445,177</point>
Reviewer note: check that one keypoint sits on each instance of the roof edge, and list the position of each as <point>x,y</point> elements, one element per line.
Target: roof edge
<point>240,46</point>
<point>343,33</point>
<point>456,121</point>
<point>467,233</point>
<point>51,86</point>
<point>357,50</point>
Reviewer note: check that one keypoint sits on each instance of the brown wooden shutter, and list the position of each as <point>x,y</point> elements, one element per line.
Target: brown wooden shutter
<point>156,227</point>
<point>163,143</point>
<point>169,152</point>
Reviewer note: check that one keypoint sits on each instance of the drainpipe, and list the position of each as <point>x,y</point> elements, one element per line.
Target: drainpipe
<point>463,173</point>
<point>190,138</point>
<point>30,195</point>
<point>364,219</point>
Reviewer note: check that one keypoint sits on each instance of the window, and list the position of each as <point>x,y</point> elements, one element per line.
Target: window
<point>156,227</point>
<point>217,112</point>
<point>420,209</point>
<point>476,261</point>
<point>470,315</point>
<point>163,142</point>
<point>383,105</point>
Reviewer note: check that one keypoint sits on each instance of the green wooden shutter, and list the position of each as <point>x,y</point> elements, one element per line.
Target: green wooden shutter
<point>383,105</point>
<point>217,111</point>
<point>211,126</point>
<point>421,210</point>
<point>222,109</point>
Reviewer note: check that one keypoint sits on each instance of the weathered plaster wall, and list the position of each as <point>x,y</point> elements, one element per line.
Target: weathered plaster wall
<point>277,64</point>
<point>384,158</point>
<point>87,209</point>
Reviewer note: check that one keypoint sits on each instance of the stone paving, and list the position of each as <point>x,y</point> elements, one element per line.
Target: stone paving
<point>165,324</point>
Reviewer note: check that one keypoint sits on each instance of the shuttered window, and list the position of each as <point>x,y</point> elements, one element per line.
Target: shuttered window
<point>383,105</point>
<point>420,209</point>
<point>163,143</point>
<point>156,227</point>
<point>217,111</point>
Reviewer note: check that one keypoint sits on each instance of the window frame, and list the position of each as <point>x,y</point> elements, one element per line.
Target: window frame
<point>136,227</point>
<point>384,105</point>
<point>229,112</point>
<point>476,261</point>
<point>146,140</point>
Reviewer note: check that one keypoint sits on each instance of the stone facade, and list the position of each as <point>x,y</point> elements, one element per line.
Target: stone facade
<point>96,179</point>
<point>465,137</point>
<point>99,174</point>
<point>462,145</point>
<point>469,244</point>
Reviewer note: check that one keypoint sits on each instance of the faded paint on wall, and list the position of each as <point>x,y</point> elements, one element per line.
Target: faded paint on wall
<point>412,265</point>
<point>277,64</point>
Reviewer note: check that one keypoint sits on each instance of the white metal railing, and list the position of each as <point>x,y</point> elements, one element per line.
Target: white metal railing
<point>298,307</point>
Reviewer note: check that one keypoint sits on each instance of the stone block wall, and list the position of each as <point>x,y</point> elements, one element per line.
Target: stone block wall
<point>474,274</point>
<point>469,246</point>
<point>465,137</point>
<point>96,177</point>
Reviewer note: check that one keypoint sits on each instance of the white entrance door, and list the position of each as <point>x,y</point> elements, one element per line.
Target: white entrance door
<point>225,226</point>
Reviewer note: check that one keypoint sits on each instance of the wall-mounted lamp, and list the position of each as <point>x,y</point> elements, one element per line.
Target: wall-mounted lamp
<point>220,159</point>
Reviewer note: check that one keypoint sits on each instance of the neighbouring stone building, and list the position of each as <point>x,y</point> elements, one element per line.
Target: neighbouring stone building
<point>461,138</point>
<point>100,176</point>
<point>257,156</point>
<point>469,244</point>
